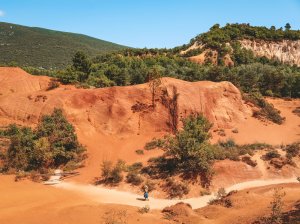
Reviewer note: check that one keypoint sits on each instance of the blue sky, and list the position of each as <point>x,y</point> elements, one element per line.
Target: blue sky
<point>147,23</point>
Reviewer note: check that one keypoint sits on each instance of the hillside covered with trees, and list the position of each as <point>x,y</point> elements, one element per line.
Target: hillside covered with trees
<point>37,47</point>
<point>217,36</point>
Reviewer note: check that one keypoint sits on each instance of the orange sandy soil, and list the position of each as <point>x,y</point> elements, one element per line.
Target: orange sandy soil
<point>32,203</point>
<point>29,203</point>
<point>250,204</point>
<point>254,130</point>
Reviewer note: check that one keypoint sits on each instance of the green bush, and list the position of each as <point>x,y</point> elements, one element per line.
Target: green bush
<point>116,175</point>
<point>52,144</point>
<point>227,144</point>
<point>20,175</point>
<point>106,168</point>
<point>292,150</point>
<point>297,111</point>
<point>190,147</point>
<point>72,165</point>
<point>121,164</point>
<point>150,184</point>
<point>232,154</point>
<point>269,93</point>
<point>204,192</point>
<point>111,174</point>
<point>227,203</point>
<point>145,209</point>
<point>235,131</point>
<point>135,167</point>
<point>266,111</point>
<point>155,143</point>
<point>134,178</point>
<point>230,150</point>
<point>271,154</point>
<point>257,146</point>
<point>249,161</point>
<point>35,176</point>
<point>139,152</point>
<point>222,198</point>
<point>176,188</point>
<point>150,145</point>
<point>221,193</point>
<point>53,84</point>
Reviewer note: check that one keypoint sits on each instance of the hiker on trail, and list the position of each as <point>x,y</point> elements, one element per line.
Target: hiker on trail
<point>146,195</point>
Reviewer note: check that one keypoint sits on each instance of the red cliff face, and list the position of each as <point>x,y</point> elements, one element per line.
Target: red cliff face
<point>24,98</point>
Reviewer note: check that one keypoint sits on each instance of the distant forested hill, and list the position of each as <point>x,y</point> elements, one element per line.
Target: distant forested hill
<point>31,46</point>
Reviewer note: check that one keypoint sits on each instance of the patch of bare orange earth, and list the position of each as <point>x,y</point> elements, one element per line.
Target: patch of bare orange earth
<point>254,130</point>
<point>249,205</point>
<point>200,58</point>
<point>31,203</point>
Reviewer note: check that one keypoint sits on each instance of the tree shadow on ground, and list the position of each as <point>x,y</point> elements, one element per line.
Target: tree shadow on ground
<point>163,168</point>
<point>293,216</point>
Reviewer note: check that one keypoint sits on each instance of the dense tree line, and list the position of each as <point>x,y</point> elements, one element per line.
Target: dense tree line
<point>251,75</point>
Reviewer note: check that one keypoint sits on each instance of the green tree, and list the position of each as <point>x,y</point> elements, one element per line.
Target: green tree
<point>287,27</point>
<point>190,147</point>
<point>110,174</point>
<point>20,150</point>
<point>277,207</point>
<point>106,168</point>
<point>154,81</point>
<point>215,27</point>
<point>82,65</point>
<point>42,155</point>
<point>52,144</point>
<point>68,76</point>
<point>61,135</point>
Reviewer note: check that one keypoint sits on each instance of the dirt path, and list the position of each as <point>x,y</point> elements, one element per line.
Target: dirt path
<point>261,164</point>
<point>111,196</point>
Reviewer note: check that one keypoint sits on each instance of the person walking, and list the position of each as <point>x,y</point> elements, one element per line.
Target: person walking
<point>146,194</point>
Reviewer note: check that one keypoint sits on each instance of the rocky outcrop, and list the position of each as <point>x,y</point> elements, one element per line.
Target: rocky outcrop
<point>192,47</point>
<point>286,51</point>
<point>211,56</point>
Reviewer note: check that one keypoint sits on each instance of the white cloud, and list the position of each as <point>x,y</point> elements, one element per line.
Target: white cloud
<point>2,13</point>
